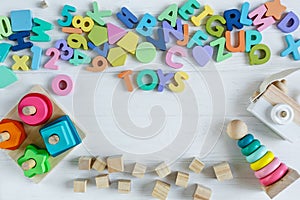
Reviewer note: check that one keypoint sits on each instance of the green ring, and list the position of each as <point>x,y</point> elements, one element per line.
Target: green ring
<point>142,85</point>
<point>255,144</point>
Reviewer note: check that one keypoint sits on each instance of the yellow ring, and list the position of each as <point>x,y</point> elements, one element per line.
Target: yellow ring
<point>264,161</point>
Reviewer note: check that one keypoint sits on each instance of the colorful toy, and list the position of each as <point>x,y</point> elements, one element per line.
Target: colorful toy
<point>71,30</point>
<point>19,38</point>
<point>147,86</point>
<point>145,52</point>
<point>182,179</point>
<point>4,50</point>
<point>208,11</point>
<point>66,51</point>
<point>7,77</point>
<point>97,15</point>
<point>220,43</point>
<point>127,18</point>
<point>241,42</point>
<point>117,56</point>
<point>146,25</point>
<point>289,23</point>
<point>115,33</point>
<point>20,63</point>
<point>292,47</point>
<point>62,85</point>
<point>39,29</point>
<point>197,39</point>
<point>21,20</point>
<point>273,175</point>
<point>36,58</point>
<point>244,14</point>
<point>12,134</point>
<point>176,31</point>
<point>188,9</point>
<point>129,42</point>
<point>5,28</point>
<point>259,20</point>
<point>232,18</point>
<point>169,14</point>
<point>186,36</point>
<point>124,186</point>
<point>176,50</point>
<point>84,23</point>
<point>98,35</point>
<point>160,42</point>
<point>126,76</point>
<point>275,9</point>
<point>99,64</point>
<point>163,79</point>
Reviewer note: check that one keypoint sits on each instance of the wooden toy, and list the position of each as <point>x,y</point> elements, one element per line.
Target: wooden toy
<point>40,29</point>
<point>197,39</point>
<point>147,86</point>
<point>97,15</point>
<point>125,75</point>
<point>220,43</point>
<point>244,14</point>
<point>253,37</point>
<point>66,51</point>
<point>55,53</point>
<point>99,64</point>
<point>162,170</point>
<point>139,170</point>
<point>206,12</point>
<point>169,14</point>
<point>161,190</point>
<point>179,77</point>
<point>232,18</point>
<point>35,109</point>
<point>188,9</point>
<point>20,63</point>
<point>84,162</point>
<point>66,13</point>
<point>5,28</point>
<point>163,79</point>
<point>115,164</point>
<point>259,60</point>
<point>129,42</point>
<point>217,31</point>
<point>177,50</point>
<point>99,164</point>
<point>19,38</point>
<point>21,20</point>
<point>115,33</point>
<point>145,52</point>
<point>124,186</point>
<point>7,77</point>
<point>275,9</point>
<point>12,134</point>
<point>102,52</point>
<point>117,56</point>
<point>71,30</point>
<point>80,186</point>
<point>102,181</point>
<point>241,47</point>
<point>176,31</point>
<point>160,42</point>
<point>182,179</point>
<point>196,165</point>
<point>292,48</point>
<point>62,85</point>
<point>223,171</point>
<point>98,35</point>
<point>146,24</point>
<point>84,23</point>
<point>63,129</point>
<point>273,175</point>
<point>34,161</point>
<point>202,193</point>
<point>36,58</point>
<point>257,15</point>
<point>202,55</point>
<point>4,50</point>
<point>289,23</point>
<point>186,36</point>
<point>44,4</point>
<point>75,41</point>
<point>127,17</point>
<point>80,58</point>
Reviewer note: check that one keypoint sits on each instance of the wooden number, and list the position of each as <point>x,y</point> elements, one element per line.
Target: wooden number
<point>99,64</point>
<point>55,56</point>
<point>66,51</point>
<point>76,41</point>
<point>66,13</point>
<point>86,24</point>
<point>79,58</point>
<point>5,27</point>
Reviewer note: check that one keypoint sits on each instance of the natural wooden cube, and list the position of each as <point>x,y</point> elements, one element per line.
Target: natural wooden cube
<point>102,181</point>
<point>223,171</point>
<point>85,163</point>
<point>182,179</point>
<point>124,186</point>
<point>99,164</point>
<point>196,165</point>
<point>161,190</point>
<point>202,193</point>
<point>163,170</point>
<point>115,164</point>
<point>80,186</point>
<point>139,170</point>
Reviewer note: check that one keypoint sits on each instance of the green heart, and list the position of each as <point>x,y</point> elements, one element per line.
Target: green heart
<point>7,77</point>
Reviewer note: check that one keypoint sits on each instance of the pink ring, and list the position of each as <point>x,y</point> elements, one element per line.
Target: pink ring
<point>56,85</point>
<point>272,166</point>
<point>274,176</point>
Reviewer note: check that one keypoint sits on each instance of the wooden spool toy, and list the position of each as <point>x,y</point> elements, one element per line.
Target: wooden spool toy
<point>273,175</point>
<point>12,134</point>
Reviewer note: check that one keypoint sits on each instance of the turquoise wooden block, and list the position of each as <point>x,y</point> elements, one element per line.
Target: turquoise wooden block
<point>7,77</point>
<point>292,47</point>
<point>21,20</point>
<point>39,29</point>
<point>253,37</point>
<point>4,50</point>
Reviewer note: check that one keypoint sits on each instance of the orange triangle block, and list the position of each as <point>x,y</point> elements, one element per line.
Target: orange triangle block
<point>115,33</point>
<point>129,42</point>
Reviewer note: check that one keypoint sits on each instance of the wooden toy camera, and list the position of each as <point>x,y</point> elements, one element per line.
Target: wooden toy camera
<point>274,107</point>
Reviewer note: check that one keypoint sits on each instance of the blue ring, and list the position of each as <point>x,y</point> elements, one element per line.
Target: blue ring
<point>256,155</point>
<point>245,141</point>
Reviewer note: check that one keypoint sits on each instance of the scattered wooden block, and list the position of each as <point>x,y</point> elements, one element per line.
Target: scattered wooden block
<point>102,181</point>
<point>139,170</point>
<point>124,186</point>
<point>85,163</point>
<point>202,193</point>
<point>196,165</point>
<point>223,171</point>
<point>115,164</point>
<point>129,42</point>
<point>99,164</point>
<point>182,179</point>
<point>80,186</point>
<point>163,170</point>
<point>161,190</point>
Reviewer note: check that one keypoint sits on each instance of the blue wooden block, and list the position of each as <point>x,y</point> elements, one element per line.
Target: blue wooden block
<point>36,58</point>
<point>233,19</point>
<point>160,43</point>
<point>127,17</point>
<point>64,128</point>
<point>146,24</point>
<point>102,52</point>
<point>4,50</point>
<point>177,32</point>
<point>21,20</point>
<point>19,38</point>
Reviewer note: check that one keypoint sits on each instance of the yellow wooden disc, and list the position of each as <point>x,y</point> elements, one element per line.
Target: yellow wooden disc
<point>264,161</point>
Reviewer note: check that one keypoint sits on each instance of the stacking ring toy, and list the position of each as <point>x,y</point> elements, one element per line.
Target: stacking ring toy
<point>268,169</point>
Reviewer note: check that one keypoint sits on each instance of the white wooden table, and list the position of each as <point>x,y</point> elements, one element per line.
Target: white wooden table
<point>240,80</point>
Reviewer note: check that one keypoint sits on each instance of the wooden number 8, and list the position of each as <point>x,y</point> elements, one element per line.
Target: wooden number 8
<point>86,24</point>
<point>75,41</point>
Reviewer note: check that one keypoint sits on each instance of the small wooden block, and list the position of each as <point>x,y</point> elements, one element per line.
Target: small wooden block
<point>99,164</point>
<point>115,33</point>
<point>80,186</point>
<point>196,165</point>
<point>161,190</point>
<point>102,181</point>
<point>117,56</point>
<point>223,171</point>
<point>139,170</point>
<point>129,42</point>
<point>98,35</point>
<point>163,170</point>
<point>7,77</point>
<point>124,186</point>
<point>182,179</point>
<point>115,164</point>
<point>85,163</point>
<point>202,193</point>
<point>283,183</point>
